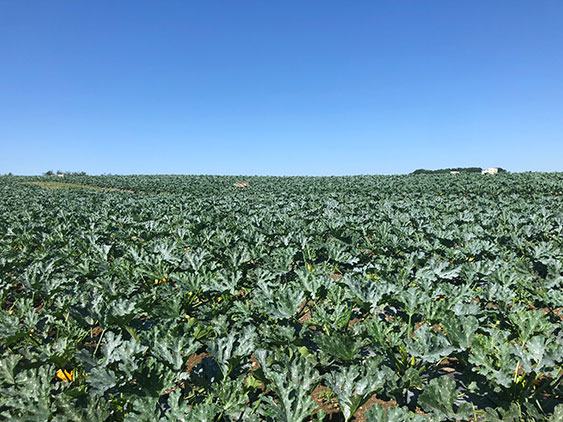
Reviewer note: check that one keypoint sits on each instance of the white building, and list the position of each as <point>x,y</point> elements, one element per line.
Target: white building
<point>490,170</point>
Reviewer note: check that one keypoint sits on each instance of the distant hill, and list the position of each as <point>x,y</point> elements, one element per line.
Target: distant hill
<point>458,169</point>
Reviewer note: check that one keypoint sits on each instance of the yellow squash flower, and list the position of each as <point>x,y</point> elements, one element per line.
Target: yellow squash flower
<point>65,375</point>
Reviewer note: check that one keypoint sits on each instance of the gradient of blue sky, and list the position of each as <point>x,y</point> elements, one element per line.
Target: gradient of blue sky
<point>280,87</point>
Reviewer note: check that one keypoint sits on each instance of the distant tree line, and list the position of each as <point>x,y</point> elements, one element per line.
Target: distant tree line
<point>460,169</point>
<point>66,173</point>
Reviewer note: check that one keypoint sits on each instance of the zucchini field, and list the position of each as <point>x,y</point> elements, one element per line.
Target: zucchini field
<point>362,298</point>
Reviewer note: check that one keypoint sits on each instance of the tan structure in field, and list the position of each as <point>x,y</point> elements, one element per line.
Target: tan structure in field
<point>490,170</point>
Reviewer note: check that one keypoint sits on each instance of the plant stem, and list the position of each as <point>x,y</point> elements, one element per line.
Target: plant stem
<point>99,341</point>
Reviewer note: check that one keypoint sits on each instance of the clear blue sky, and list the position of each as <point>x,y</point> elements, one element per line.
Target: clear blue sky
<point>280,87</point>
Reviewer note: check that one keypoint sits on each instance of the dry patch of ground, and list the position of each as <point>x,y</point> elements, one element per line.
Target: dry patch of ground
<point>63,185</point>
